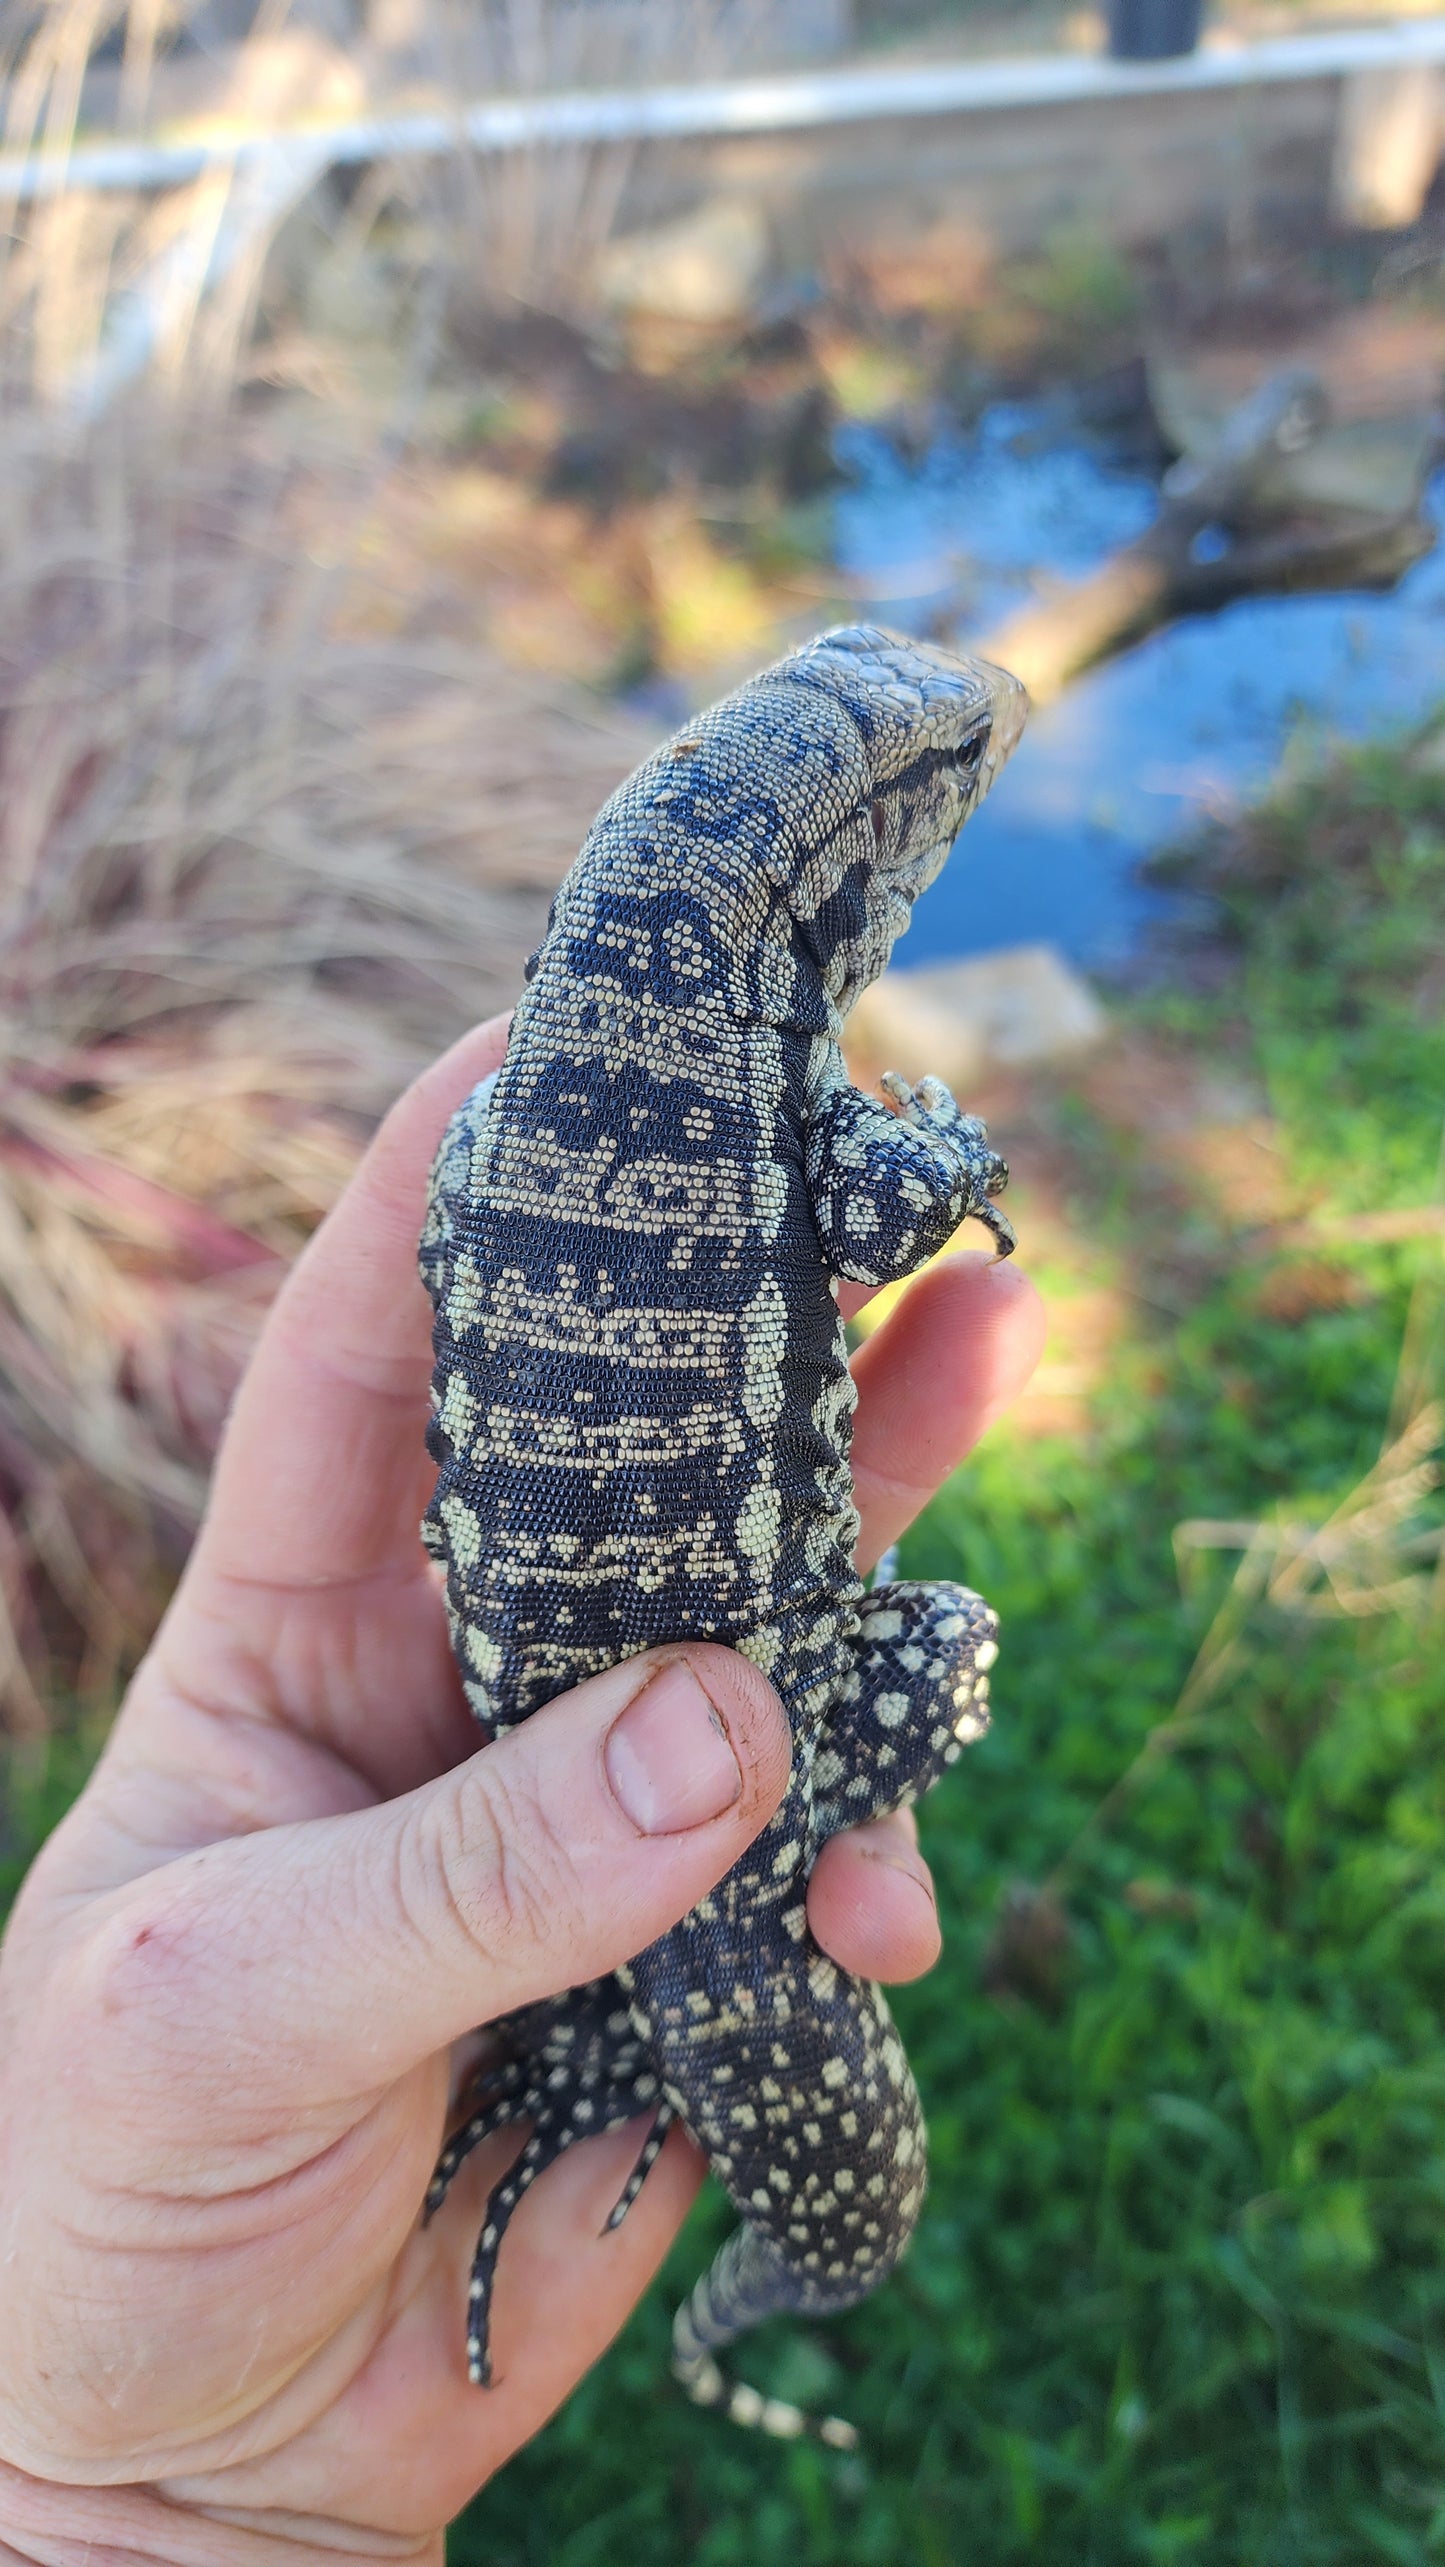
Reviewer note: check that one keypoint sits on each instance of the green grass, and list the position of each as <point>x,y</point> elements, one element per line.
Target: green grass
<point>37,1785</point>
<point>1178,2294</point>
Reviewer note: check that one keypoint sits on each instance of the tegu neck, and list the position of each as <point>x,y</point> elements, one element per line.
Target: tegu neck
<point>692,922</point>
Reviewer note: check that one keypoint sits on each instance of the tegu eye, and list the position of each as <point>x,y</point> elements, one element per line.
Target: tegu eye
<point>877,813</point>
<point>968,756</point>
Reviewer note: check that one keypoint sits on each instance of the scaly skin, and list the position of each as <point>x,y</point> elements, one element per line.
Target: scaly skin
<point>643,1415</point>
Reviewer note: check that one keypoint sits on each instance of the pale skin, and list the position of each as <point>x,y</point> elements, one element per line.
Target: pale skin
<point>241,1982</point>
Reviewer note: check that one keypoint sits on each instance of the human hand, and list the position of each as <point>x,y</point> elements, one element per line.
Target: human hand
<point>240,1982</point>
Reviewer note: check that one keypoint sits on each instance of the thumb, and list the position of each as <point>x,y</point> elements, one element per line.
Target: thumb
<point>334,1955</point>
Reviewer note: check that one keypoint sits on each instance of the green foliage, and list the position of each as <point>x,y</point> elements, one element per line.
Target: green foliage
<point>1178,2295</point>
<point>1080,282</point>
<point>38,1782</point>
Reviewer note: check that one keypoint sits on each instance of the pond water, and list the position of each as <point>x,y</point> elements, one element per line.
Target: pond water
<point>1188,724</point>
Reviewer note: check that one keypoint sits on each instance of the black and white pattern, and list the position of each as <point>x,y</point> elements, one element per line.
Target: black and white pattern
<point>643,1413</point>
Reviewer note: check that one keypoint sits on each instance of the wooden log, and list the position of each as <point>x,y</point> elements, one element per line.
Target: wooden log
<point>1238,495</point>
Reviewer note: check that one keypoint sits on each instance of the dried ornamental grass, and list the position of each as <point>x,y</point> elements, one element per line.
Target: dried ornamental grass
<point>101,288</point>
<point>252,875</point>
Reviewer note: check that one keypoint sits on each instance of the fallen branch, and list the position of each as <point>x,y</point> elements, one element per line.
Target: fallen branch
<point>1205,546</point>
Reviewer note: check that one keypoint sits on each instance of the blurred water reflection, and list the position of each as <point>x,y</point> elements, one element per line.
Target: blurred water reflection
<point>1190,723</point>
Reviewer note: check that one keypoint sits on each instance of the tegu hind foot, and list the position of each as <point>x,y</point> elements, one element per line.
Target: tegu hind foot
<point>573,2067</point>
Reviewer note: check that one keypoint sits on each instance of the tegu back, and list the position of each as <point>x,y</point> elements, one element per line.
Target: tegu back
<point>642,1396</point>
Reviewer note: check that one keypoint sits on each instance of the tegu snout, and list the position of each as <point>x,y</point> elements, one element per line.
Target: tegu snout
<point>913,702</point>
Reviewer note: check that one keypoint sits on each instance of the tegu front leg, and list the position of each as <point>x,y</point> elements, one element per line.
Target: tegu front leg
<point>890,1183</point>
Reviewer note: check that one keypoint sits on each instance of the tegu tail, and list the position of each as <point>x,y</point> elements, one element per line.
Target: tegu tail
<point>748,2281</point>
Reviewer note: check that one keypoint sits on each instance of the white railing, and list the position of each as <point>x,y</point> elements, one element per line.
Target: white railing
<point>788,103</point>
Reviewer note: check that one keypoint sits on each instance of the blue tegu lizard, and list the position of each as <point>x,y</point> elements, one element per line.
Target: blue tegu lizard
<point>643,1411</point>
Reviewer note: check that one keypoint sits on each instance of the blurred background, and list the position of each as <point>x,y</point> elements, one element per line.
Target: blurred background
<point>408,410</point>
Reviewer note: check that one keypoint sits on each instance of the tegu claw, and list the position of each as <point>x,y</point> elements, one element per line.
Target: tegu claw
<point>1005,1238</point>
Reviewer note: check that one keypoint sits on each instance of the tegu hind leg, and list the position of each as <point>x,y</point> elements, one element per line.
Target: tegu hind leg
<point>914,1698</point>
<point>571,2067</point>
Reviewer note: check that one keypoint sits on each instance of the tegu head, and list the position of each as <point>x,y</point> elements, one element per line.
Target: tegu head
<point>931,731</point>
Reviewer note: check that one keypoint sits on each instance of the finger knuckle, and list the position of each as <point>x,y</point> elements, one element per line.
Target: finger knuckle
<point>139,1961</point>
<point>510,1881</point>
<point>130,1993</point>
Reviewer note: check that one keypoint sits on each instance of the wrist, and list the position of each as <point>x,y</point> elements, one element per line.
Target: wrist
<point>46,2525</point>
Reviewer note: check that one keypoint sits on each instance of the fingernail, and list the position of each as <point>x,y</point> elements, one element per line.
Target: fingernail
<point>669,1759</point>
